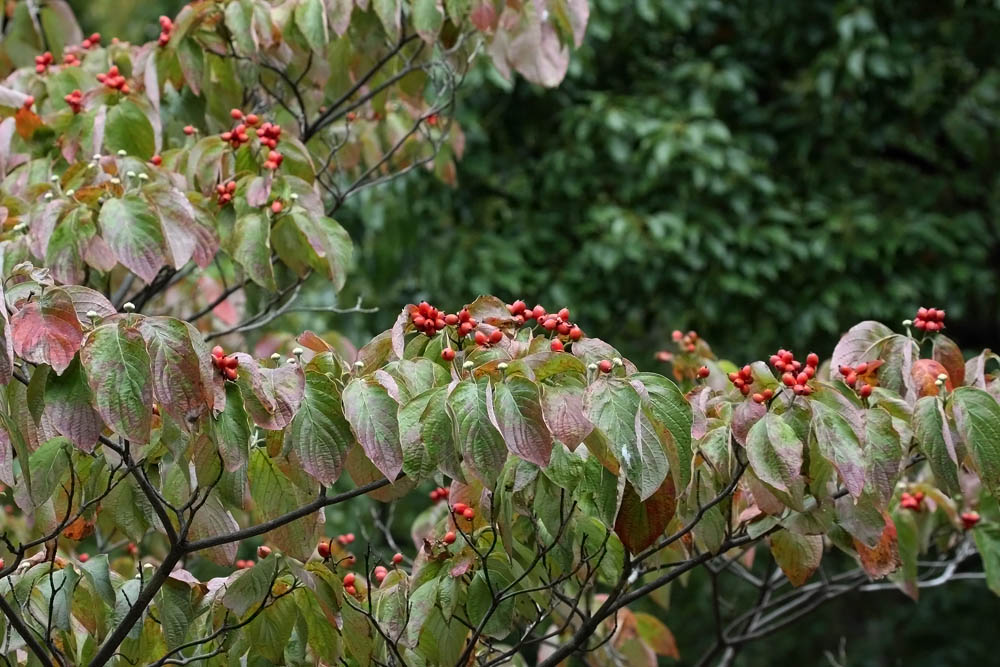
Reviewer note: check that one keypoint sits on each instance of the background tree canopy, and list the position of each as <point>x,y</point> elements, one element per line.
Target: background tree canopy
<point>759,171</point>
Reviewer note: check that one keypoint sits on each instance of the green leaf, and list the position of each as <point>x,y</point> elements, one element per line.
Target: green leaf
<point>252,248</point>
<point>420,605</point>
<point>182,377</point>
<point>838,444</point>
<point>274,494</point>
<point>49,464</point>
<point>479,603</point>
<point>127,128</point>
<point>46,330</point>
<point>388,12</point>
<point>133,232</point>
<point>331,242</point>
<point>933,435</point>
<point>271,395</point>
<point>118,371</point>
<point>68,405</point>
<point>988,543</point>
<point>173,606</point>
<point>310,19</point>
<point>478,439</point>
<point>96,571</point>
<point>776,455</point>
<point>518,413</point>
<point>613,406</point>
<point>798,556</point>
<point>371,412</point>
<point>666,405</point>
<point>320,434</point>
<point>269,633</point>
<point>427,19</point>
<point>232,430</point>
<point>977,415</point>
<point>250,586</point>
<point>883,453</point>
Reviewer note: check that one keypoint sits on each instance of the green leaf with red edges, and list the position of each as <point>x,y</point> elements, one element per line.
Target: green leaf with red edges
<point>272,395</point>
<point>798,556</point>
<point>657,635</point>
<point>479,441</point>
<point>884,557</point>
<point>665,404</point>
<point>839,445</point>
<point>641,522</point>
<point>859,344</point>
<point>562,407</point>
<point>977,415</point>
<point>118,371</point>
<point>45,330</point>
<point>949,355</point>
<point>775,454</point>
<point>179,384</point>
<point>319,433</point>
<point>331,243</point>
<point>68,406</point>
<point>613,406</point>
<point>231,428</point>
<point>133,232</point>
<point>251,248</point>
<point>425,432</point>
<point>519,419</point>
<point>371,412</point>
<point>933,435</point>
<point>883,453</point>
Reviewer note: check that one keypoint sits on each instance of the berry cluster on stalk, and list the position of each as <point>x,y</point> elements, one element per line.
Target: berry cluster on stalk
<point>114,80</point>
<point>743,380</point>
<point>929,319</point>
<point>226,365</point>
<point>794,375</point>
<point>166,26</point>
<point>855,374</point>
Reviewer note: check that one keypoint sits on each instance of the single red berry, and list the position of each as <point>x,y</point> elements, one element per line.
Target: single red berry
<point>865,391</point>
<point>449,537</point>
<point>235,114</point>
<point>231,373</point>
<point>218,352</point>
<point>518,307</point>
<point>812,359</point>
<point>851,379</point>
<point>349,579</point>
<point>703,372</point>
<point>263,551</point>
<point>433,495</point>
<point>556,345</point>
<point>448,354</point>
<point>767,394</point>
<point>323,549</point>
<point>458,508</point>
<point>861,368</point>
<point>451,319</point>
<point>564,314</point>
<point>276,206</point>
<point>605,366</point>
<point>481,338</point>
<point>397,559</point>
<point>969,520</point>
<point>156,160</point>
<point>788,379</point>
<point>131,548</point>
<point>83,558</point>
<point>469,513</point>
<point>575,333</point>
<point>350,590</point>
<point>189,130</point>
<point>677,335</point>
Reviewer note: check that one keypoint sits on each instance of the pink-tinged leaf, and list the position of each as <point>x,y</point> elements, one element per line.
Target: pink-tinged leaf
<point>641,522</point>
<point>319,433</point>
<point>595,350</point>
<point>133,232</point>
<point>86,300</point>
<point>179,386</point>
<point>371,412</point>
<point>46,330</point>
<point>657,635</point>
<point>562,407</point>
<point>925,373</point>
<point>363,471</point>
<point>118,371</point>
<point>398,340</point>
<point>839,444</point>
<point>177,219</point>
<point>483,16</point>
<point>213,520</point>
<point>272,395</point>
<point>43,223</point>
<point>745,415</point>
<point>252,248</point>
<point>6,342</point>
<point>490,310</point>
<point>579,16</point>
<point>338,13</point>
<point>883,559</point>
<point>531,46</point>
<point>859,344</point>
<point>479,441</point>
<point>258,191</point>
<point>518,416</point>
<point>798,556</point>
<point>68,404</point>
<point>99,255</point>
<point>948,354</point>
<point>776,454</point>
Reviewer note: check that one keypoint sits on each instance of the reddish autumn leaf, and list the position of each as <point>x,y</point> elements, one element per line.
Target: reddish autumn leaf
<point>641,522</point>
<point>925,373</point>
<point>46,330</point>
<point>883,558</point>
<point>949,355</point>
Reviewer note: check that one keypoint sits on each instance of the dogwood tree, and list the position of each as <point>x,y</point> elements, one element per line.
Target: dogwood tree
<point>165,203</point>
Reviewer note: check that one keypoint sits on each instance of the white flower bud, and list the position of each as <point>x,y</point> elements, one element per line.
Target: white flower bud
<point>92,315</point>
<point>294,196</point>
<point>298,351</point>
<point>48,195</point>
<point>129,307</point>
<point>97,156</point>
<point>54,178</point>
<point>617,361</point>
<point>70,192</point>
<point>275,357</point>
<point>130,173</point>
<point>467,365</point>
<point>143,177</point>
<point>591,367</point>
<point>502,365</point>
<point>122,153</point>
<point>907,323</point>
<point>116,181</point>
<point>359,364</point>
<point>943,377</point>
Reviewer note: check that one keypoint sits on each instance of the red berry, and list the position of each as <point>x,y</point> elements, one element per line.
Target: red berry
<point>451,319</point>
<point>605,366</point>
<point>458,508</point>
<point>851,379</point>
<point>564,314</point>
<point>323,549</point>
<point>230,373</point>
<point>703,372</point>
<point>156,160</point>
<point>575,333</point>
<point>433,495</point>
<point>218,352</point>
<point>481,338</point>
<point>189,130</point>
<point>758,398</point>
<point>517,307</point>
<point>235,114</point>
<point>496,336</point>
<point>861,368</point>
<point>768,393</point>
<point>252,119</point>
<point>276,206</point>
<point>349,579</point>
<point>83,558</point>
<point>866,391</point>
<point>29,101</point>
<point>350,590</point>
<point>812,359</point>
<point>449,537</point>
<point>263,551</point>
<point>469,513</point>
<point>788,379</point>
<point>448,354</point>
<point>397,559</point>
<point>677,335</point>
<point>556,345</point>
<point>969,520</point>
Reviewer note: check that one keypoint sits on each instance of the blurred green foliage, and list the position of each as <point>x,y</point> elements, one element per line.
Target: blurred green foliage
<point>762,172</point>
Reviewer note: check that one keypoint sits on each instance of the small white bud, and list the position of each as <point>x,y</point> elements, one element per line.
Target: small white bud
<point>939,383</point>
<point>943,377</point>
<point>129,307</point>
<point>20,227</point>
<point>298,351</point>
<point>144,177</point>
<point>290,361</point>
<point>92,315</point>
<point>467,365</point>
<point>92,165</point>
<point>617,361</point>
<point>359,364</point>
<point>48,195</point>
<point>907,323</point>
<point>294,196</point>
<point>54,178</point>
<point>97,156</point>
<point>116,181</point>
<point>130,173</point>
<point>502,365</point>
<point>122,153</point>
<point>70,192</point>
<point>591,367</point>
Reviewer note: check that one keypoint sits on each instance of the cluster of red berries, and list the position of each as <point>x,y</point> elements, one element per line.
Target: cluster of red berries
<point>42,62</point>
<point>556,322</point>
<point>238,135</point>
<point>75,100</point>
<point>430,320</point>
<point>440,493</point>
<point>853,374</point>
<point>92,41</point>
<point>743,380</point>
<point>166,26</point>
<point>349,580</point>
<point>969,520</point>
<point>345,539</point>
<point>794,375</point>
<point>687,341</point>
<point>912,501</point>
<point>268,133</point>
<point>224,192</point>
<point>244,564</point>
<point>464,510</point>
<point>227,365</point>
<point>929,319</point>
<point>274,160</point>
<point>380,573</point>
<point>71,60</point>
<point>114,80</point>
